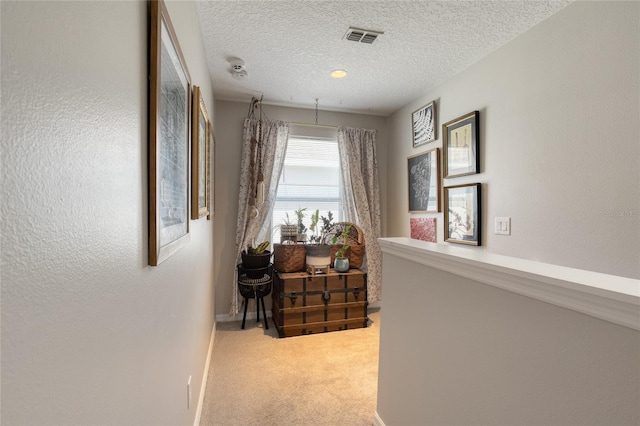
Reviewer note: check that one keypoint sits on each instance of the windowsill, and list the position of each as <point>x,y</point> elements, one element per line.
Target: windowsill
<point>608,297</point>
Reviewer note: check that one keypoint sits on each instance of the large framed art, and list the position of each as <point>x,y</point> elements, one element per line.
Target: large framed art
<point>461,145</point>
<point>169,142</point>
<point>462,214</point>
<point>200,147</point>
<point>423,173</point>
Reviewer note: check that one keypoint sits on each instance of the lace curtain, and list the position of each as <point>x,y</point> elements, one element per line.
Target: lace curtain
<point>256,229</point>
<point>362,204</point>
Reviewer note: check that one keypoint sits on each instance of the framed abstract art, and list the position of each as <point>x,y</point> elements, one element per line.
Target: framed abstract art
<point>423,173</point>
<point>424,125</point>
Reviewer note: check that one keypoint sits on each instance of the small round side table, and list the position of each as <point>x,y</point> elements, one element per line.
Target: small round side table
<point>255,288</point>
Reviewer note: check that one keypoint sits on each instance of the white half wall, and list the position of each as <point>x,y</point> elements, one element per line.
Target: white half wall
<point>560,140</point>
<point>91,334</point>
<point>458,351</point>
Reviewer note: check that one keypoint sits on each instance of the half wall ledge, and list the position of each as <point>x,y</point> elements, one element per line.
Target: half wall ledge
<point>607,297</point>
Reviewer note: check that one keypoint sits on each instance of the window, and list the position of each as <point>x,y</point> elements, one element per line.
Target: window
<point>310,179</point>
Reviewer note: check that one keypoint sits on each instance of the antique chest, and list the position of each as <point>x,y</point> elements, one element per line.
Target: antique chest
<point>306,304</point>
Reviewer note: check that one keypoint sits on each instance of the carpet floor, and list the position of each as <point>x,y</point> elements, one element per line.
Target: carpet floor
<point>326,379</point>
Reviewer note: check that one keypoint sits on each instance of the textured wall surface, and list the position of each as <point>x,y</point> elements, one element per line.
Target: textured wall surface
<point>90,333</point>
<point>560,152</point>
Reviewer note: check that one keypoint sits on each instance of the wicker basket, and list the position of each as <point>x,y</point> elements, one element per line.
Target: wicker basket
<point>289,257</point>
<point>356,241</point>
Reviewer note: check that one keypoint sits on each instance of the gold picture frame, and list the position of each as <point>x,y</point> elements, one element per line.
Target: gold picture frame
<point>200,146</point>
<point>169,141</point>
<point>210,172</point>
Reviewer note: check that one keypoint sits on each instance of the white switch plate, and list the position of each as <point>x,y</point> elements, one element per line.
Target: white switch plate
<point>503,226</point>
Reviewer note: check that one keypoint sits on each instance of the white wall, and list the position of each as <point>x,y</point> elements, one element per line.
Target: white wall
<point>560,140</point>
<point>228,126</point>
<point>90,333</point>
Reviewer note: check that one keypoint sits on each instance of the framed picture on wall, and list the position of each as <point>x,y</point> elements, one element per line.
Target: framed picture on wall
<point>169,143</point>
<point>199,157</point>
<point>462,218</point>
<point>423,174</point>
<point>461,142</point>
<point>423,228</point>
<point>424,125</point>
<point>210,172</point>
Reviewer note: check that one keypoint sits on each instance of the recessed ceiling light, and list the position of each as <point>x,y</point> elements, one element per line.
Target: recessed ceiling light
<point>338,73</point>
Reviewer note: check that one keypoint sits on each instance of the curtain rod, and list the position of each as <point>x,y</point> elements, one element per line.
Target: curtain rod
<point>313,125</point>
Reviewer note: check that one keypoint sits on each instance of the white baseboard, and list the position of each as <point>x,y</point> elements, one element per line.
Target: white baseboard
<point>205,375</point>
<point>377,421</point>
<point>238,317</point>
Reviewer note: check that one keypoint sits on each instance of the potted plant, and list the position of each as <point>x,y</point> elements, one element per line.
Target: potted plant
<point>341,262</point>
<point>318,253</point>
<point>302,230</point>
<point>255,260</point>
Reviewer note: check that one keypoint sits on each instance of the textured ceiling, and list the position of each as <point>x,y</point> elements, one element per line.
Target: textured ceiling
<point>289,47</point>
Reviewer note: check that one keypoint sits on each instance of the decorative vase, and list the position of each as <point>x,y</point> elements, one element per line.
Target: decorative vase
<point>341,264</point>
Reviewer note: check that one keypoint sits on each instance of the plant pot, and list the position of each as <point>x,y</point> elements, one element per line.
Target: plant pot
<point>318,255</point>
<point>256,265</point>
<point>288,233</point>
<point>341,264</point>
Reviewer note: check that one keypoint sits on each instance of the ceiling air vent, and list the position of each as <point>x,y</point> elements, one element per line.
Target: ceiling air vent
<point>362,36</point>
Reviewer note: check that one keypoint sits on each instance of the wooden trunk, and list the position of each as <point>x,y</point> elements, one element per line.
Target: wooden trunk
<point>306,304</point>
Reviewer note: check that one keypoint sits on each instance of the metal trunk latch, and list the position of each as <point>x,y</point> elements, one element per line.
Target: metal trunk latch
<point>293,297</point>
<point>326,296</point>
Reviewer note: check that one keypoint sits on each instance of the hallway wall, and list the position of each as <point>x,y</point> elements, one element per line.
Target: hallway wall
<point>560,152</point>
<point>90,333</point>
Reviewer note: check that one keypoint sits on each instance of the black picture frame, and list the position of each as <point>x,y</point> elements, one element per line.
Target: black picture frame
<point>423,180</point>
<point>463,214</point>
<point>169,138</point>
<point>424,125</point>
<point>461,145</point>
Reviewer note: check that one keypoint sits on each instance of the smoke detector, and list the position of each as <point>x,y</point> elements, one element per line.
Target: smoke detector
<point>238,69</point>
<point>362,36</point>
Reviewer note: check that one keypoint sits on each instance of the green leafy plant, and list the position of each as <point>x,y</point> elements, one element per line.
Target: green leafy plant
<point>316,236</point>
<point>287,220</point>
<point>259,249</point>
<point>327,223</point>
<point>344,235</point>
<point>300,214</point>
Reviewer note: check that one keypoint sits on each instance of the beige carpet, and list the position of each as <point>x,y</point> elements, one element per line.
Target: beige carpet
<point>256,378</point>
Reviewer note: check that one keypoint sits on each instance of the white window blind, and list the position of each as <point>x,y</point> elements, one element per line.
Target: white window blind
<point>310,179</point>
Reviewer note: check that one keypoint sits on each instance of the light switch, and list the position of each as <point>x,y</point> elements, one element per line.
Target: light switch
<point>502,226</point>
